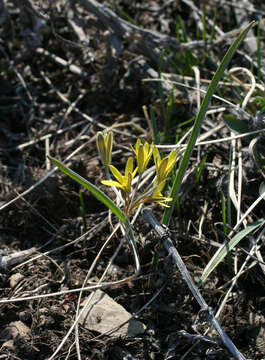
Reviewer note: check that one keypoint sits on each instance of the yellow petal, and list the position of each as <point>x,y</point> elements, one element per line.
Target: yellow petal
<point>116,173</point>
<point>162,201</point>
<point>146,147</point>
<point>128,183</point>
<point>135,171</point>
<point>101,147</point>
<point>163,204</point>
<point>111,183</point>
<point>109,144</point>
<point>138,142</point>
<point>161,172</point>
<point>173,154</point>
<point>151,150</point>
<point>100,141</point>
<point>148,155</point>
<point>140,158</point>
<point>157,157</point>
<point>160,186</point>
<point>171,161</point>
<point>133,149</point>
<point>129,166</point>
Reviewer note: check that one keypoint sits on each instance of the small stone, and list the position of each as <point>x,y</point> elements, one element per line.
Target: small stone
<point>13,329</point>
<point>103,314</point>
<point>15,279</point>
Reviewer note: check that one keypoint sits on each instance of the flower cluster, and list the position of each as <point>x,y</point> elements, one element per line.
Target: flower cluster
<point>123,181</point>
<point>143,153</point>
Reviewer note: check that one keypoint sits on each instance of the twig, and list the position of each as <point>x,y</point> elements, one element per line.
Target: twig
<point>7,261</point>
<point>44,137</point>
<point>142,41</point>
<point>64,63</point>
<point>167,242</point>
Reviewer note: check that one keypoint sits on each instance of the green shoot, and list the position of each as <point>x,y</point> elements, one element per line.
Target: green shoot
<point>200,169</point>
<point>184,59</point>
<point>182,128</point>
<point>198,33</point>
<point>258,52</point>
<point>225,249</point>
<point>169,116</point>
<point>183,28</point>
<point>154,126</point>
<point>260,100</point>
<point>213,27</point>
<point>122,13</point>
<point>199,119</point>
<point>160,87</point>
<point>204,28</point>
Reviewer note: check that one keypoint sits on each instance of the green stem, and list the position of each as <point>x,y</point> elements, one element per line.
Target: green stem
<point>134,192</point>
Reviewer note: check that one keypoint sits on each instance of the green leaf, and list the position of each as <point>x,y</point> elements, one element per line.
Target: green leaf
<point>198,122</point>
<point>154,126</point>
<point>225,249</point>
<point>236,124</point>
<point>259,155</point>
<point>93,189</point>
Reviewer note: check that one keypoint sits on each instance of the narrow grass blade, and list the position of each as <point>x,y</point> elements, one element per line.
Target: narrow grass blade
<point>93,189</point>
<point>154,126</point>
<point>168,118</point>
<point>224,250</point>
<point>200,169</point>
<point>122,13</point>
<point>198,122</point>
<point>259,52</point>
<point>160,87</point>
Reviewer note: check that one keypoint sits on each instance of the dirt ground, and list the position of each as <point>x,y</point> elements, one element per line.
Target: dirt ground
<point>68,72</point>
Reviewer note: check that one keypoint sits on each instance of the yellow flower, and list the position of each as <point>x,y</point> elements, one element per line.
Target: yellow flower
<point>154,195</point>
<point>123,181</point>
<point>158,197</point>
<point>104,145</point>
<point>143,154</point>
<point>164,166</point>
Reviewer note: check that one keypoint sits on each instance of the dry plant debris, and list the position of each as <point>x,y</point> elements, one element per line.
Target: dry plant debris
<point>138,69</point>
